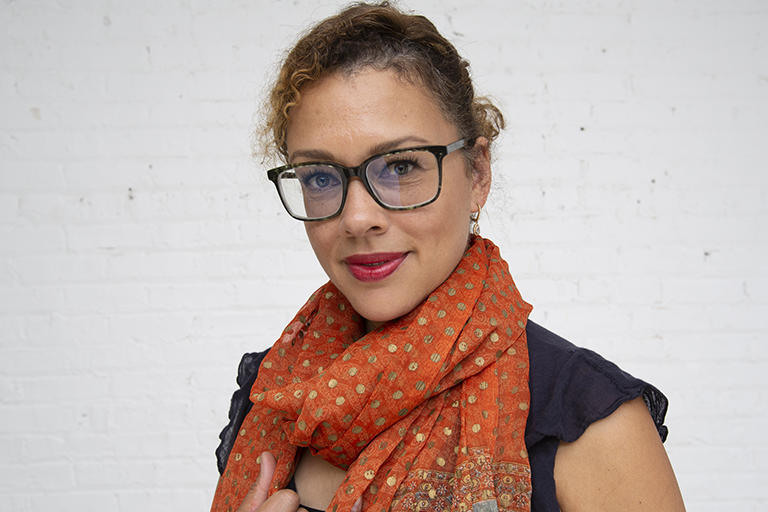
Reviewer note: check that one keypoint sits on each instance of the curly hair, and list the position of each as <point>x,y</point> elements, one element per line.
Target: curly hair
<point>381,37</point>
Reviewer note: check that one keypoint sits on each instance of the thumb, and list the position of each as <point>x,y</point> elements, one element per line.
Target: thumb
<point>260,489</point>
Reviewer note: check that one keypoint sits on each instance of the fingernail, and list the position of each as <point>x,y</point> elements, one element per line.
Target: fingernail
<point>358,505</point>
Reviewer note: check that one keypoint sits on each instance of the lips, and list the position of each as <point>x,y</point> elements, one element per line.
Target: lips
<point>374,266</point>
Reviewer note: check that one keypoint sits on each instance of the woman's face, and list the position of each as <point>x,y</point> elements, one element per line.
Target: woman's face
<point>385,262</point>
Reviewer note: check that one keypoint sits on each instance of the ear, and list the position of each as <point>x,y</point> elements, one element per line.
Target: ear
<point>481,172</point>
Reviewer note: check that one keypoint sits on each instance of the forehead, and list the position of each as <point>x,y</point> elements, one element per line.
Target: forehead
<point>362,109</point>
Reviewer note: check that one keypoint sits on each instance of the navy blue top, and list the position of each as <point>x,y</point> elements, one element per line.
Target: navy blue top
<point>571,388</point>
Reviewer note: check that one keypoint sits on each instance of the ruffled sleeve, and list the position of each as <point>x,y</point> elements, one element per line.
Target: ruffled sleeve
<point>240,405</point>
<point>571,388</point>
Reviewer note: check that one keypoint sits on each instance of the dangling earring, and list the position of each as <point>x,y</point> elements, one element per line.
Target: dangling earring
<point>475,218</point>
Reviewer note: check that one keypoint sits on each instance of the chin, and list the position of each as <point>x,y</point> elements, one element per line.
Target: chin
<point>382,309</point>
<point>379,315</point>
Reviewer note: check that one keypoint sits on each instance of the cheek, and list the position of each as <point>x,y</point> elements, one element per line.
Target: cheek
<point>319,239</point>
<point>444,232</point>
<point>458,198</point>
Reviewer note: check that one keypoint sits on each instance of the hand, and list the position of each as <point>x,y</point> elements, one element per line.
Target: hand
<point>256,500</point>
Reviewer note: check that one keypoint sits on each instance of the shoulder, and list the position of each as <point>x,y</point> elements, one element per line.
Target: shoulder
<point>618,463</point>
<point>249,368</point>
<point>594,431</point>
<point>572,387</point>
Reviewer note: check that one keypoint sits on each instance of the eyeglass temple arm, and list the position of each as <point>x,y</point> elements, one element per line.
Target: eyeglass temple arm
<point>459,144</point>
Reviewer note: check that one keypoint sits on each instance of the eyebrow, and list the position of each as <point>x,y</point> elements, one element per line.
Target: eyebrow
<point>381,147</point>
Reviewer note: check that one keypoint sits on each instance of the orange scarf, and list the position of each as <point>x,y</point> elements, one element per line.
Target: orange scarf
<point>427,412</point>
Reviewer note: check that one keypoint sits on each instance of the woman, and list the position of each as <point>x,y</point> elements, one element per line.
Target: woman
<point>413,379</point>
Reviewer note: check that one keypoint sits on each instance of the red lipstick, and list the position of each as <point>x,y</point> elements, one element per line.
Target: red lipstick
<point>374,266</point>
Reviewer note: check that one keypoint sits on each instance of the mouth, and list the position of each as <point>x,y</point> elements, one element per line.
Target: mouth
<point>374,266</point>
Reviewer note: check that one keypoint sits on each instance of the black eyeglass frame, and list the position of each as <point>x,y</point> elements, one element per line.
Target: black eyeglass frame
<point>348,173</point>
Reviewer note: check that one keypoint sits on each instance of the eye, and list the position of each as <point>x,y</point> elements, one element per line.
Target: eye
<point>401,167</point>
<point>317,180</point>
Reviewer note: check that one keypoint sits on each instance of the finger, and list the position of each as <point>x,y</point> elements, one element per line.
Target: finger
<point>284,500</point>
<point>358,506</point>
<point>260,489</point>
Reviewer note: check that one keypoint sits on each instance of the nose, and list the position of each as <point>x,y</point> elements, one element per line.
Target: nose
<point>361,215</point>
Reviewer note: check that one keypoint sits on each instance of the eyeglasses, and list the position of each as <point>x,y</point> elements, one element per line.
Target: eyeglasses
<point>398,180</point>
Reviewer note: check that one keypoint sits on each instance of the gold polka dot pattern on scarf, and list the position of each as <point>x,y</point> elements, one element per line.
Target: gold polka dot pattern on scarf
<point>425,413</point>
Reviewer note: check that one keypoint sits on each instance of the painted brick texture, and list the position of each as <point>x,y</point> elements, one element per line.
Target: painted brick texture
<point>142,250</point>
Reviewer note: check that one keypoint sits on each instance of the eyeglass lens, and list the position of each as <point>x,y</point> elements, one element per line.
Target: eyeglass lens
<point>399,180</point>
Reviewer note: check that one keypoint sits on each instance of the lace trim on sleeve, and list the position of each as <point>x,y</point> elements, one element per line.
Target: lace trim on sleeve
<point>657,405</point>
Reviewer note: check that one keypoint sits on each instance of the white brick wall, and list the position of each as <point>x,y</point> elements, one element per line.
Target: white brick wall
<point>630,201</point>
